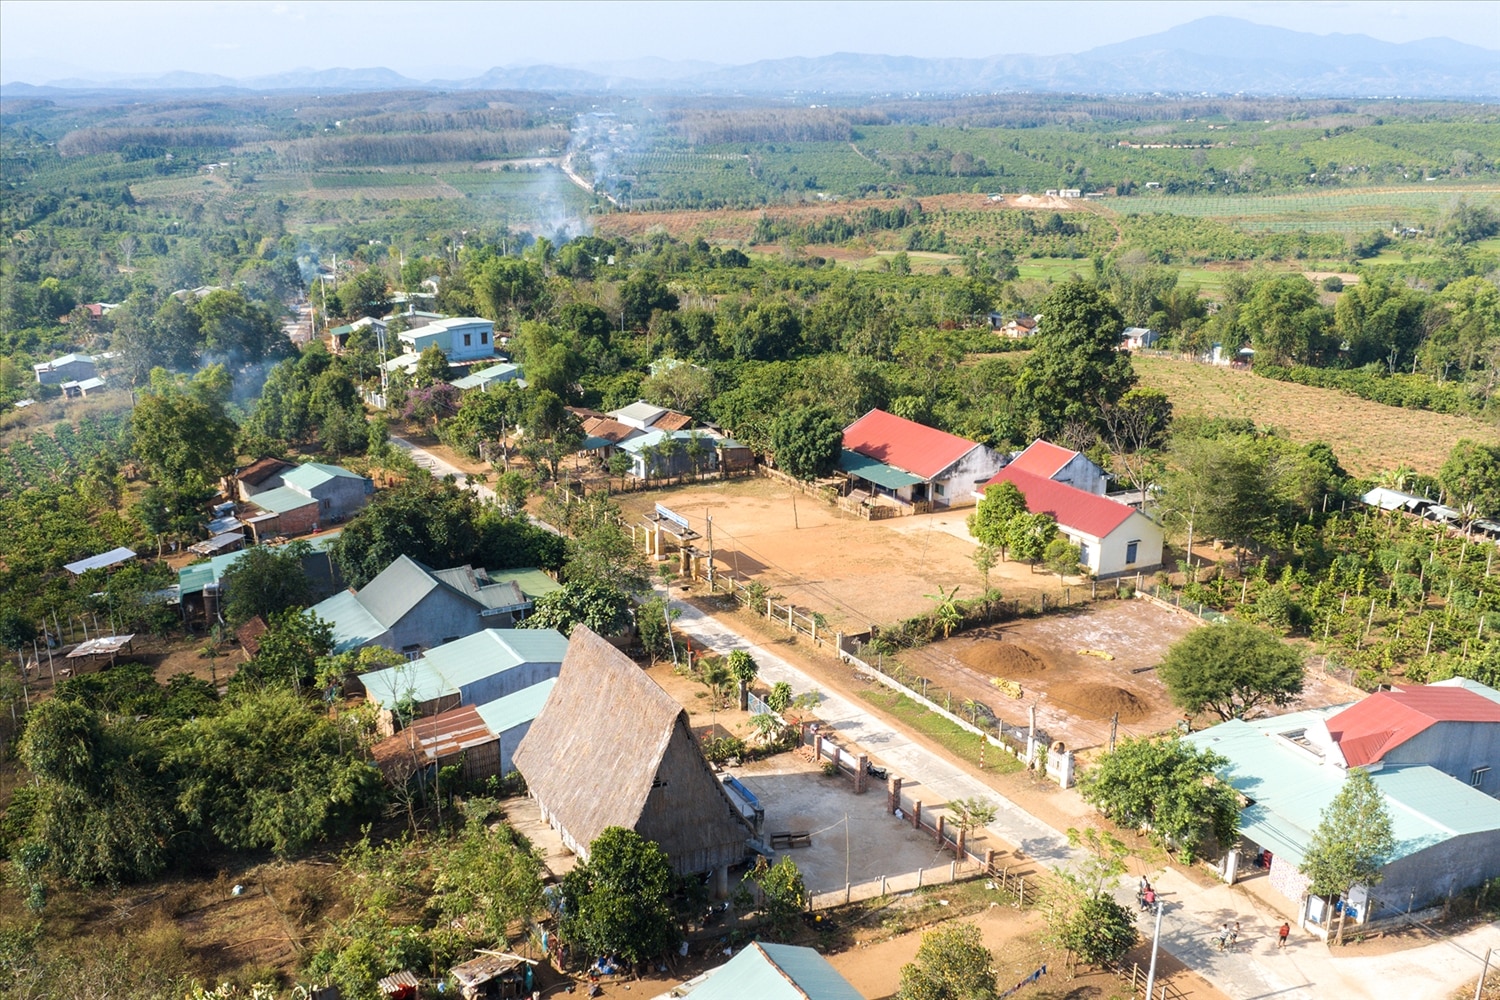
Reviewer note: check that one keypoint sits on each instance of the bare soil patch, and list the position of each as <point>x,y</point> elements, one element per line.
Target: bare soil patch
<point>852,571</point>
<point>1001,659</point>
<point>1100,701</point>
<point>1075,695</point>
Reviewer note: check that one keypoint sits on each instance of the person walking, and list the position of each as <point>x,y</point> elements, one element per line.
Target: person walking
<point>1281,934</point>
<point>1148,901</point>
<point>1223,935</point>
<point>1234,935</point>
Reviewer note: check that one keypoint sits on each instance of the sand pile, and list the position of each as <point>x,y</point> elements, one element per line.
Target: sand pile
<point>1002,659</point>
<point>1098,701</point>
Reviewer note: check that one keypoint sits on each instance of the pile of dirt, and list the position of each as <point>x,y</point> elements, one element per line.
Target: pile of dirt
<point>1002,659</point>
<point>1098,701</point>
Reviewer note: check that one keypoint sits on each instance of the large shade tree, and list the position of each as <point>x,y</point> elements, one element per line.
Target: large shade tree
<point>1231,669</point>
<point>618,902</point>
<point>1076,367</point>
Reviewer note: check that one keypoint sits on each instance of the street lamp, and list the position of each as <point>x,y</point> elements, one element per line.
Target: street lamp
<point>1155,941</point>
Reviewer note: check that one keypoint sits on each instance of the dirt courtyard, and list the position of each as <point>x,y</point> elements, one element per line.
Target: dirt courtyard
<point>852,571</point>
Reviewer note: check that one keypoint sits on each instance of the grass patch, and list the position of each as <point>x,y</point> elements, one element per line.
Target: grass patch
<point>1368,437</point>
<point>960,742</point>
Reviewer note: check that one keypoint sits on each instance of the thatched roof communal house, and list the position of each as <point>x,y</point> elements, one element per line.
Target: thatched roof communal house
<point>611,748</point>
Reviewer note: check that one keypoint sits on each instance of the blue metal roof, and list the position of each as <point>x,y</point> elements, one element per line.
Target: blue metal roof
<point>353,626</point>
<point>494,651</point>
<point>1289,785</point>
<point>111,558</point>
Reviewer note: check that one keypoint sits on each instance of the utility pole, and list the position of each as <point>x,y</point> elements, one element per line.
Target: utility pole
<point>1155,941</point>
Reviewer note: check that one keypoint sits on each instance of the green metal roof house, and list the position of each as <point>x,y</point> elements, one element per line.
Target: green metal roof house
<point>773,972</point>
<point>1289,768</point>
<point>409,608</point>
<point>483,668</point>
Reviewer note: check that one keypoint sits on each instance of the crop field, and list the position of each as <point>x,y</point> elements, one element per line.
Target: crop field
<point>57,457</point>
<point>1367,437</point>
<point>1345,211</point>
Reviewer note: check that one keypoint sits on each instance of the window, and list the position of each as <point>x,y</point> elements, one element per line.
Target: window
<point>412,652</point>
<point>484,336</point>
<point>1476,776</point>
<point>938,489</point>
<point>1131,549</point>
<point>468,340</point>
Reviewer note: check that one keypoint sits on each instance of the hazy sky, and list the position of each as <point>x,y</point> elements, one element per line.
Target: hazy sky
<point>40,40</point>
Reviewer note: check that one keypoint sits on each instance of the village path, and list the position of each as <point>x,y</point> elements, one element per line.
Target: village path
<point>1255,970</point>
<point>425,459</point>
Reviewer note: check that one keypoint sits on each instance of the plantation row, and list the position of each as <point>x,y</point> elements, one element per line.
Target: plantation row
<point>47,458</point>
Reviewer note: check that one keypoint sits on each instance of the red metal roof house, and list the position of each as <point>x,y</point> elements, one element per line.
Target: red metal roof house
<point>1115,539</point>
<point>1454,729</point>
<point>1064,465</point>
<point>913,463</point>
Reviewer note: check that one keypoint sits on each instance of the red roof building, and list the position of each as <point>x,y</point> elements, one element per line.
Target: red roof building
<point>1115,539</point>
<point>1050,461</point>
<point>909,446</point>
<point>1415,725</point>
<point>911,463</point>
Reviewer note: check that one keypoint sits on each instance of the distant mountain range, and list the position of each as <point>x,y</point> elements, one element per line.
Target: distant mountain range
<point>1211,55</point>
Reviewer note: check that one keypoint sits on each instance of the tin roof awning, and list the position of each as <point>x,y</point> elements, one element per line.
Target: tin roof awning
<point>879,473</point>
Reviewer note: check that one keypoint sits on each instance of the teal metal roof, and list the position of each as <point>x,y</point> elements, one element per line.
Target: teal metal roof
<point>353,626</point>
<point>1289,787</point>
<point>192,579</point>
<point>494,651</point>
<point>651,439</point>
<point>533,582</point>
<point>503,372</point>
<point>417,679</point>
<point>504,714</point>
<point>455,665</point>
<point>311,474</point>
<point>281,500</point>
<point>878,473</point>
<point>776,972</point>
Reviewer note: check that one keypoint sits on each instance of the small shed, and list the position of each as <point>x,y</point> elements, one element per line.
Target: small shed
<point>400,986</point>
<point>103,560</point>
<point>494,975</point>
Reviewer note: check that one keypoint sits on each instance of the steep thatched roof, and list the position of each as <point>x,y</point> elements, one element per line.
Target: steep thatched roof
<point>611,748</point>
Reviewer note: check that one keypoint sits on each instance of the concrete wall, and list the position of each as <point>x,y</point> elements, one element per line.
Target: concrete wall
<point>1455,748</point>
<point>341,498</point>
<point>1082,474</point>
<point>272,482</point>
<point>440,616</point>
<point>1431,876</point>
<point>73,371</point>
<point>508,682</point>
<point>507,742</point>
<point>962,478</point>
<point>1113,549</point>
